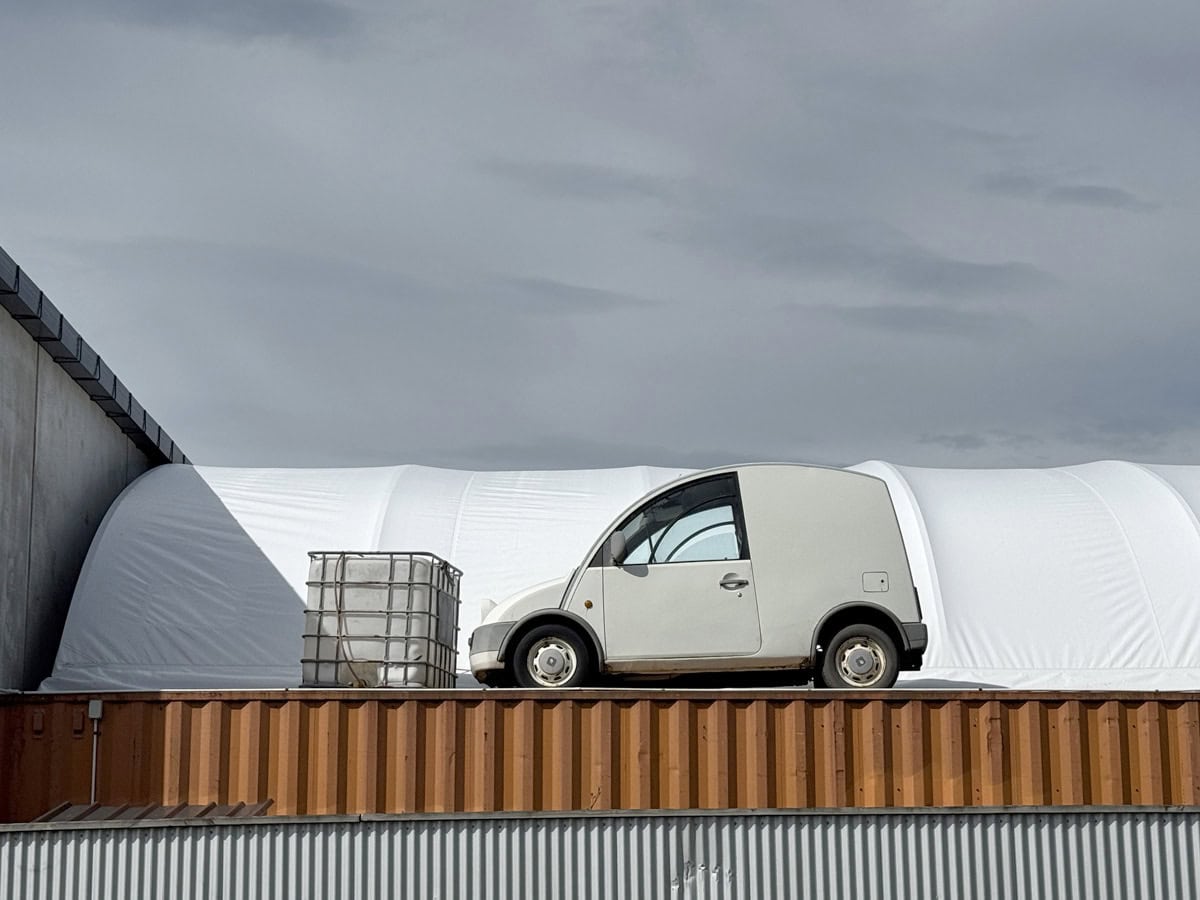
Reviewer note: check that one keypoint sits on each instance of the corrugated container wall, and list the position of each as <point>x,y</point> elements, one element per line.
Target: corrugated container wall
<point>485,751</point>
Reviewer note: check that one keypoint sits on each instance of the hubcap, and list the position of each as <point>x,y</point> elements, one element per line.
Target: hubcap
<point>861,662</point>
<point>552,661</point>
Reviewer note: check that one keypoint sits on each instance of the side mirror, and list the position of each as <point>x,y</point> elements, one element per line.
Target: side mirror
<point>616,547</point>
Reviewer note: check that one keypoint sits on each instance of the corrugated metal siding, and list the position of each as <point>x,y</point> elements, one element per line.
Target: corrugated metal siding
<point>476,751</point>
<point>1096,854</point>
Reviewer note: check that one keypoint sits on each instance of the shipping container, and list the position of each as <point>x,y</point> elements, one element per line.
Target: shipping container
<point>326,752</point>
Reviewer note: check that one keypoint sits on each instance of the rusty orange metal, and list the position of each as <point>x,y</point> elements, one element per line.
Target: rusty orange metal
<point>319,752</point>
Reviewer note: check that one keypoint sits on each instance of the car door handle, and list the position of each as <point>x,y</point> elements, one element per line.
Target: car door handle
<point>734,582</point>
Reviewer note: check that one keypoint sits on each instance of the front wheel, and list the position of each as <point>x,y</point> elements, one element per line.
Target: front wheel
<point>860,657</point>
<point>550,656</point>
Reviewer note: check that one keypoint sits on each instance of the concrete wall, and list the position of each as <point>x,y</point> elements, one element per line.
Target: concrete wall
<point>62,462</point>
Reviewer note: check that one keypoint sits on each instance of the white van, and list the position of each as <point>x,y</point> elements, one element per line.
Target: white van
<point>741,568</point>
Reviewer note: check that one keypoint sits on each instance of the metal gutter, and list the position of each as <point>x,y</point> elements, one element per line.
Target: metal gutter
<point>256,816</point>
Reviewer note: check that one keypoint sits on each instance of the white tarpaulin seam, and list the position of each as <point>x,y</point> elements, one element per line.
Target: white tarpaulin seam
<point>1170,488</point>
<point>1133,557</point>
<point>385,508</point>
<point>458,518</point>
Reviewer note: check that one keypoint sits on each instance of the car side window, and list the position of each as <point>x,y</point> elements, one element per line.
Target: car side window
<point>698,522</point>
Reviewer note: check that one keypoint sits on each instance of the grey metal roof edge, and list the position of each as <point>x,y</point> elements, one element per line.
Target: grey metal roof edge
<point>20,296</point>
<point>549,817</point>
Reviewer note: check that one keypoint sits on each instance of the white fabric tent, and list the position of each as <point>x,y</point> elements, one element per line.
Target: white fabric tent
<point>1073,578</point>
<point>196,577</point>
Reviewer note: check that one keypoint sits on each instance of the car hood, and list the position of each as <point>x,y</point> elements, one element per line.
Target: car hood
<point>547,595</point>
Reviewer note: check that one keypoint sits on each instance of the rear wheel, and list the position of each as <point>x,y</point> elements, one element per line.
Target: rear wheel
<point>860,657</point>
<point>550,656</point>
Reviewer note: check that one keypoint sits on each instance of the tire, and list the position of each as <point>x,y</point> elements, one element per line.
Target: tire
<point>860,658</point>
<point>550,656</point>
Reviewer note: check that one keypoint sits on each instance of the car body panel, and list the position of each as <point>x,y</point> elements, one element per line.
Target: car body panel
<point>679,610</point>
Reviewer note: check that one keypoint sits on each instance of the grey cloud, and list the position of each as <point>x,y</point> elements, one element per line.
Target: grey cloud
<point>550,450</point>
<point>544,296</point>
<point>872,253</point>
<point>987,439</point>
<point>1140,397</point>
<point>319,306</point>
<point>301,274</point>
<point>1017,440</point>
<point>644,39</point>
<point>1097,195</point>
<point>1021,184</point>
<point>961,441</point>
<point>393,362</point>
<point>980,137</point>
<point>585,181</point>
<point>1120,437</point>
<point>1128,428</point>
<point>920,271</point>
<point>350,286</point>
<point>307,20</point>
<point>557,235</point>
<point>928,320</point>
<point>1013,184</point>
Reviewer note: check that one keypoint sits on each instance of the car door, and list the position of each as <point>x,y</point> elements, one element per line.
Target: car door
<point>685,588</point>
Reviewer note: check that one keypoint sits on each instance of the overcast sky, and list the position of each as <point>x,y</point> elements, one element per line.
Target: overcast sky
<point>508,235</point>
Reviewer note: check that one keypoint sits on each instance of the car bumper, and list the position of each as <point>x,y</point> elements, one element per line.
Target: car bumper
<point>486,662</point>
<point>486,642</point>
<point>916,639</point>
<point>916,636</point>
